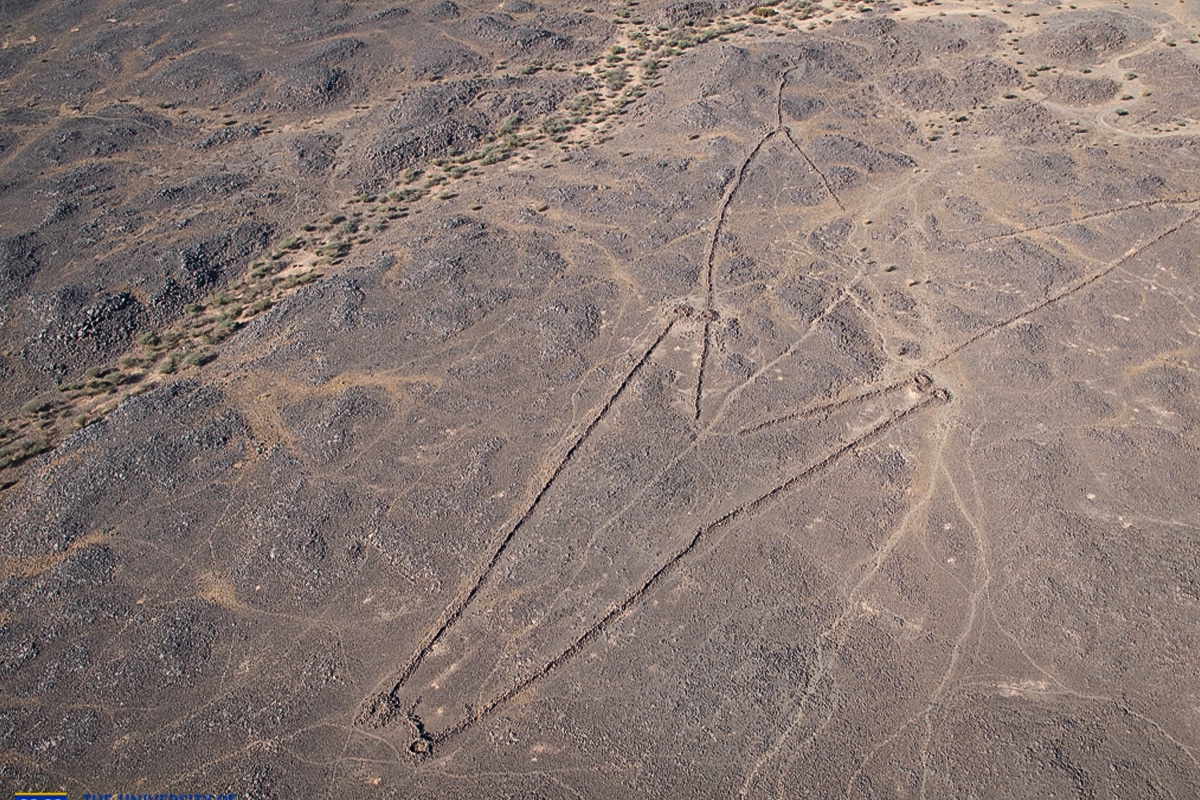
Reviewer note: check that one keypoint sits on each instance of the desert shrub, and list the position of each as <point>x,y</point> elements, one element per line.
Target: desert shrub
<point>198,358</point>
<point>509,124</point>
<point>222,330</point>
<point>36,407</point>
<point>405,195</point>
<point>616,78</point>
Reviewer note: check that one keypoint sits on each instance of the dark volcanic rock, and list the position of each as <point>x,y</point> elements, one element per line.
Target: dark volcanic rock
<point>512,37</point>
<point>78,329</point>
<point>114,131</point>
<point>415,146</point>
<point>680,11</point>
<point>317,153</point>
<point>844,150</point>
<point>229,134</point>
<point>1076,90</point>
<point>1088,37</point>
<point>451,59</point>
<point>204,77</point>
<point>191,270</point>
<point>18,263</point>
<point>322,79</point>
<point>978,80</point>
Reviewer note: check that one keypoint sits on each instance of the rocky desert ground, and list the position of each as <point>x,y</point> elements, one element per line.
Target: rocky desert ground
<point>671,398</point>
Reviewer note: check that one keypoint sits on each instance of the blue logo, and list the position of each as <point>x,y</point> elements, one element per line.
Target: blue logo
<point>40,796</point>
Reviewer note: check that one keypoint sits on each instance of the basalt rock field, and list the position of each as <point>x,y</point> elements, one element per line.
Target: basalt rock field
<point>624,399</point>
